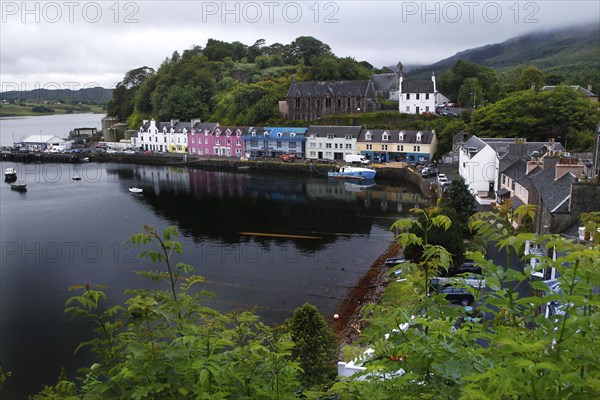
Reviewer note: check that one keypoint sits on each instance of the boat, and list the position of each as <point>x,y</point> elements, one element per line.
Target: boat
<point>10,174</point>
<point>85,159</point>
<point>19,186</point>
<point>353,173</point>
<point>76,178</point>
<point>135,190</point>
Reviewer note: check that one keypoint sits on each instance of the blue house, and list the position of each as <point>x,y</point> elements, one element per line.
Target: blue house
<point>275,141</point>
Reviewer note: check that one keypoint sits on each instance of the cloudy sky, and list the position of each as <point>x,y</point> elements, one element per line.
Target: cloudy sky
<point>62,44</point>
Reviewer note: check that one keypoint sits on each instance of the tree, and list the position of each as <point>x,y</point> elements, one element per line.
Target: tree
<point>470,93</point>
<point>462,201</point>
<point>530,76</point>
<point>307,47</point>
<point>536,116</point>
<point>315,345</point>
<point>423,348</point>
<point>451,81</point>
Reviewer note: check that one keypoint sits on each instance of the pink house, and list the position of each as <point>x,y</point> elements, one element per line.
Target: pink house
<point>210,139</point>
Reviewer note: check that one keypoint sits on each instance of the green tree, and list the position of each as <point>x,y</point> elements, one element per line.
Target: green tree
<point>422,348</point>
<point>315,345</point>
<point>470,93</point>
<point>530,76</point>
<point>536,116</point>
<point>306,48</point>
<point>462,201</point>
<point>451,81</point>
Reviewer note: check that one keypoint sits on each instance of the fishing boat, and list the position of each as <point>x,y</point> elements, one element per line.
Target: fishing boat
<point>135,190</point>
<point>353,173</point>
<point>19,185</point>
<point>76,178</point>
<point>10,174</point>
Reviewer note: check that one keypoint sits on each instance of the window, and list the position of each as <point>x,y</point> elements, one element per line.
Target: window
<point>385,136</point>
<point>427,97</point>
<point>407,108</point>
<point>401,136</point>
<point>265,144</point>
<point>339,103</point>
<point>384,147</point>
<point>348,146</point>
<point>318,103</point>
<point>328,102</point>
<point>297,101</point>
<point>218,132</point>
<point>238,152</point>
<point>426,108</point>
<point>292,145</point>
<point>368,136</point>
<point>417,96</point>
<point>193,140</point>
<point>313,145</point>
<point>205,140</point>
<point>327,145</point>
<point>503,178</point>
<point>418,136</point>
<point>369,147</point>
<point>330,136</point>
<point>279,134</point>
<point>217,142</point>
<point>312,153</point>
<point>279,144</point>
<point>348,137</point>
<point>407,96</point>
<point>513,185</point>
<point>200,152</point>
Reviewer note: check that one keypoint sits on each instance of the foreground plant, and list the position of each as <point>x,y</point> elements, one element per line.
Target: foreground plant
<point>165,344</point>
<point>422,348</point>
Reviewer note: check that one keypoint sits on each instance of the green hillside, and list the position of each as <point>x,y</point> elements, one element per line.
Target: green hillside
<point>573,53</point>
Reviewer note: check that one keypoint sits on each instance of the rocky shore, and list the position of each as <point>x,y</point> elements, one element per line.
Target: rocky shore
<point>367,291</point>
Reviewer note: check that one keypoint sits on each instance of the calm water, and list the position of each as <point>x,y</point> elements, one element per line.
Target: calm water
<point>63,232</point>
<point>14,129</point>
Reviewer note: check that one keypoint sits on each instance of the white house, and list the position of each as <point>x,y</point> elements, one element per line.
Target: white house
<point>478,164</point>
<point>331,142</point>
<point>416,96</point>
<point>165,136</point>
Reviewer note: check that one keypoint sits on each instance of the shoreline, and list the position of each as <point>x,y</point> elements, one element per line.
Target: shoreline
<point>368,290</point>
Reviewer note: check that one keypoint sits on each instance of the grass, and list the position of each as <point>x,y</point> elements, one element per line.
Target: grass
<point>25,109</point>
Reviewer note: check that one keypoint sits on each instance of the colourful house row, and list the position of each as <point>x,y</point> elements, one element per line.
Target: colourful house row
<point>315,142</point>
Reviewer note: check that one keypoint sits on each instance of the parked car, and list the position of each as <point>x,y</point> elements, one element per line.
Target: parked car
<point>457,295</point>
<point>288,157</point>
<point>443,180</point>
<point>428,172</point>
<point>393,261</point>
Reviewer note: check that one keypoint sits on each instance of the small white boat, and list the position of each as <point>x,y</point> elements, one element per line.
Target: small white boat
<point>135,190</point>
<point>353,173</point>
<point>10,173</point>
<point>19,185</point>
<point>76,178</point>
<point>85,159</point>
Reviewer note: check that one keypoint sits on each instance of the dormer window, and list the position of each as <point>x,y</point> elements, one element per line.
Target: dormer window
<point>238,133</point>
<point>385,136</point>
<point>228,132</point>
<point>418,136</point>
<point>401,136</point>
<point>218,132</point>
<point>279,134</point>
<point>253,133</point>
<point>368,136</point>
<point>292,134</point>
<point>266,134</point>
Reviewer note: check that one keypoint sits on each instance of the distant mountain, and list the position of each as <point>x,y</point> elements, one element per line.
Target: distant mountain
<point>95,95</point>
<point>567,52</point>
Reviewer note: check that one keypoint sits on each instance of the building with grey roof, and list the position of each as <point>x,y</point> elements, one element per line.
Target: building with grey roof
<point>331,142</point>
<point>391,145</point>
<point>313,100</point>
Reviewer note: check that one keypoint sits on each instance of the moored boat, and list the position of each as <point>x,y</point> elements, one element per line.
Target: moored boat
<point>353,173</point>
<point>19,185</point>
<point>135,190</point>
<point>10,174</point>
<point>76,178</point>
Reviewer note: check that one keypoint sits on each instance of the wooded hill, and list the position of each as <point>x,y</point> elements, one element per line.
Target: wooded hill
<point>570,55</point>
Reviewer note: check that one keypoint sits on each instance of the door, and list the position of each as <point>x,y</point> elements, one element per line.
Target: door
<point>417,110</point>
<point>320,155</point>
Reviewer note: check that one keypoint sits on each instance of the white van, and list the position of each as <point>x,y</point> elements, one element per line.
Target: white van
<point>356,158</point>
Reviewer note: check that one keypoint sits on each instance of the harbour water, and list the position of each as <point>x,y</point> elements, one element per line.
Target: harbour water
<point>269,242</point>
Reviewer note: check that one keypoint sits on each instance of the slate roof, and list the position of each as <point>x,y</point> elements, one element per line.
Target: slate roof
<point>574,87</point>
<point>475,143</point>
<point>394,136</point>
<point>233,129</point>
<point>335,88</point>
<point>385,81</point>
<point>336,131</point>
<point>553,192</point>
<point>417,86</point>
<point>179,126</point>
<point>273,133</point>
<point>518,172</point>
<point>200,127</point>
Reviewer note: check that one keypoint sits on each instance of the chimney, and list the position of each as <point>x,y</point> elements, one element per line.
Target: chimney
<point>531,165</point>
<point>566,165</point>
<point>518,149</point>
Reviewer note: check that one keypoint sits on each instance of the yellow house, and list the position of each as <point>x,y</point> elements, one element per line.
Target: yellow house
<point>397,145</point>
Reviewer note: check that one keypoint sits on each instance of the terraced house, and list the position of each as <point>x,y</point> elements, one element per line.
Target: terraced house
<point>164,136</point>
<point>275,141</point>
<point>331,142</point>
<point>210,139</point>
<point>384,145</point>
